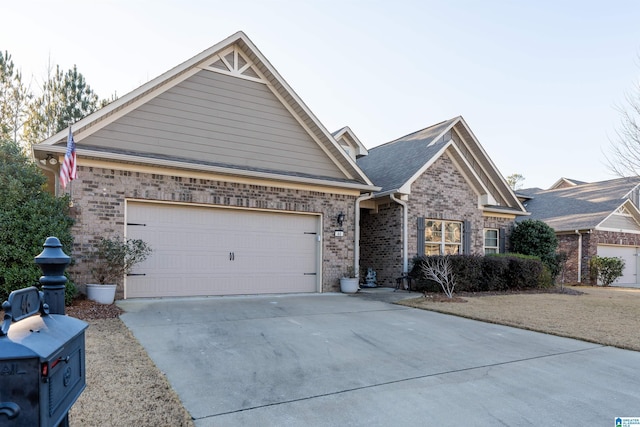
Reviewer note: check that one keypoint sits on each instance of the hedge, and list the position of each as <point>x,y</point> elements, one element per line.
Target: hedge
<point>489,273</point>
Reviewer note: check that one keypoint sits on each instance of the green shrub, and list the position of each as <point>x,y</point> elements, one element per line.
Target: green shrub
<point>536,238</point>
<point>524,273</point>
<point>494,274</point>
<point>468,271</point>
<point>546,278</point>
<point>607,269</point>
<point>489,273</point>
<point>28,215</point>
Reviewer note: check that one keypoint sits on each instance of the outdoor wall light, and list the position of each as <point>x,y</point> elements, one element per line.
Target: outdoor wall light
<point>50,159</point>
<point>340,219</point>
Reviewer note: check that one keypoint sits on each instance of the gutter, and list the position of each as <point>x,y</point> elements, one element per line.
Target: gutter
<point>405,233</point>
<point>178,164</point>
<point>579,255</point>
<point>356,237</point>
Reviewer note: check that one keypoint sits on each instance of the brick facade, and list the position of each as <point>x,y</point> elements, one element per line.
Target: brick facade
<point>440,193</point>
<point>99,209</point>
<point>569,243</point>
<point>381,242</point>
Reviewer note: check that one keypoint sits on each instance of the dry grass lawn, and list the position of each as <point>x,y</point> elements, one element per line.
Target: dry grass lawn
<point>609,316</point>
<point>124,387</point>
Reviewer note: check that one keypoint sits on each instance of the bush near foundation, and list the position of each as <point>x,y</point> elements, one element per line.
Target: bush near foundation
<point>474,273</point>
<point>605,269</point>
<point>28,215</point>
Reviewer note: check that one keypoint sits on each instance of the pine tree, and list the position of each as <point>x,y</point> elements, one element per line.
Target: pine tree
<point>65,99</point>
<point>14,97</point>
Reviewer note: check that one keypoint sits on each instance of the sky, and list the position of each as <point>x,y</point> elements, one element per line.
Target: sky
<point>540,83</point>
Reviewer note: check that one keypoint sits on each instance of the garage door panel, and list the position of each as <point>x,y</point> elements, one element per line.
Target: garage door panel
<point>213,251</point>
<point>629,254</point>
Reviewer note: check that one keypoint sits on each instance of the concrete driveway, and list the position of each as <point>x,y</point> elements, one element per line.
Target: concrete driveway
<point>332,359</point>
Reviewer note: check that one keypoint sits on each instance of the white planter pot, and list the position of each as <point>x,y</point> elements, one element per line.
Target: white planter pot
<point>349,285</point>
<point>103,294</point>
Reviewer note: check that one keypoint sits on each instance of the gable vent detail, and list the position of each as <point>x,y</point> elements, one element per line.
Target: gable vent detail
<point>234,62</point>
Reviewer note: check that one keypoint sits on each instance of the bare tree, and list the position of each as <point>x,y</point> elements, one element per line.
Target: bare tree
<point>439,270</point>
<point>624,157</point>
<point>515,181</point>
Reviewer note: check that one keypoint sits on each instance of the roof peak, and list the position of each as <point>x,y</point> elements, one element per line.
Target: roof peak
<point>406,137</point>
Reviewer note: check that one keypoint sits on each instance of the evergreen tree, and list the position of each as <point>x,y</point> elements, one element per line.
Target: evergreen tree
<point>14,97</point>
<point>65,99</point>
<point>535,237</point>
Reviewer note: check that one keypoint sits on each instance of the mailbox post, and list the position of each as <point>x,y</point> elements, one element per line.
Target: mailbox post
<point>53,261</point>
<point>42,354</point>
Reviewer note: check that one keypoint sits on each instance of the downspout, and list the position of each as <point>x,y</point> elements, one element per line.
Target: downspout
<point>579,256</point>
<point>356,237</point>
<point>405,233</point>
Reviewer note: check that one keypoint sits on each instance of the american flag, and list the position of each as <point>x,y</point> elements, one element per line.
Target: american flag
<point>68,170</point>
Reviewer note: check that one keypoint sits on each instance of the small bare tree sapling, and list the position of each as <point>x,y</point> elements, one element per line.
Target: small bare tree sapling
<point>439,270</point>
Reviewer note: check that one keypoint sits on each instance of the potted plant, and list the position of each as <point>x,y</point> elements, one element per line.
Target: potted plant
<point>348,282</point>
<point>112,260</point>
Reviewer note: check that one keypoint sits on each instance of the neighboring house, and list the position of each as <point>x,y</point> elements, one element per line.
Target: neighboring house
<point>599,218</point>
<point>566,183</point>
<point>225,172</point>
<point>440,194</point>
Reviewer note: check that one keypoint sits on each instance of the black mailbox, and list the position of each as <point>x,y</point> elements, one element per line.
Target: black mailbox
<point>42,362</point>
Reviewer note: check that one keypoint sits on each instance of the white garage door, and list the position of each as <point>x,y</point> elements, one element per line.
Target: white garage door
<point>630,256</point>
<point>216,251</point>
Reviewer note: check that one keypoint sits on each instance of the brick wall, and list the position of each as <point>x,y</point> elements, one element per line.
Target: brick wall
<point>569,243</point>
<point>504,225</point>
<point>440,193</point>
<point>381,242</point>
<point>99,207</point>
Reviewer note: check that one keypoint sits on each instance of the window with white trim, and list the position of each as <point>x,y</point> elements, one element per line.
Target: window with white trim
<point>491,241</point>
<point>442,237</point>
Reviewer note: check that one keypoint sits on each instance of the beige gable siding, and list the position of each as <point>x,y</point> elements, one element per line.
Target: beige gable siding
<point>464,148</point>
<point>221,119</point>
<point>620,222</point>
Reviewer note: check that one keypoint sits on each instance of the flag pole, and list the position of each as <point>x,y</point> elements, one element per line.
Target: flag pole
<point>70,123</point>
<point>68,168</point>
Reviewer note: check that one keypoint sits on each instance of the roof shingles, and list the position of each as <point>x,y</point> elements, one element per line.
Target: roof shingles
<point>580,207</point>
<point>392,164</point>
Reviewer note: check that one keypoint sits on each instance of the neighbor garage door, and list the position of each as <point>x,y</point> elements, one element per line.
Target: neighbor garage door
<point>217,251</point>
<point>629,254</point>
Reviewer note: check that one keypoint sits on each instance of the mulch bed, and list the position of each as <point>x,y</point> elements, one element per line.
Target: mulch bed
<point>85,309</point>
<point>459,297</point>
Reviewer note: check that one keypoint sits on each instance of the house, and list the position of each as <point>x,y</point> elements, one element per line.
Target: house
<point>225,172</point>
<point>239,189</point>
<point>598,218</point>
<point>440,194</point>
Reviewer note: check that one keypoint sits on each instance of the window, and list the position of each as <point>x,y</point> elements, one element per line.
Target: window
<point>491,241</point>
<point>442,237</point>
